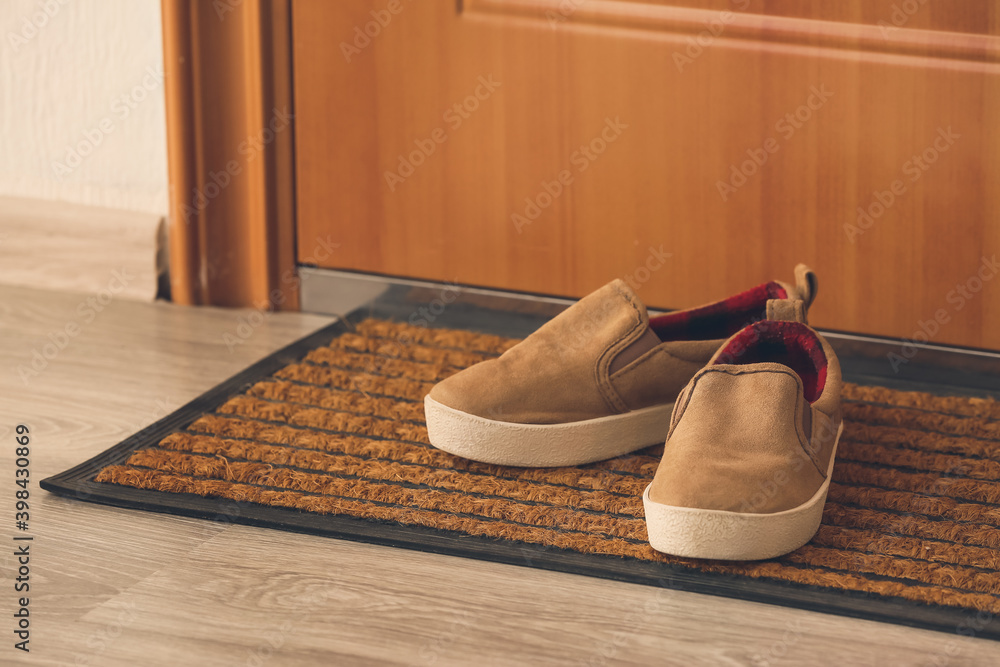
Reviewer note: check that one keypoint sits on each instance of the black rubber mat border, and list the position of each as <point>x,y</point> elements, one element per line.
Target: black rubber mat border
<point>78,483</point>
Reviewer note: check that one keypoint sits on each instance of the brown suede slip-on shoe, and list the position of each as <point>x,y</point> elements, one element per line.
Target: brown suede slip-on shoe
<point>597,381</point>
<point>752,441</point>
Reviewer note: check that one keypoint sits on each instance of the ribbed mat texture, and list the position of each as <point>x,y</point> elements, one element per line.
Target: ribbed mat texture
<point>913,510</point>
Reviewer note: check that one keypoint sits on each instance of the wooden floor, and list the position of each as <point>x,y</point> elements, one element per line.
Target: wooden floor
<point>117,587</point>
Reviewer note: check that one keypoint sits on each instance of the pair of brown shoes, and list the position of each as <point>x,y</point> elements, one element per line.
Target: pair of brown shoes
<point>744,393</point>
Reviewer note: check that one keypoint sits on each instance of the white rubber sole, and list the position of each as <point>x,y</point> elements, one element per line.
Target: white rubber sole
<point>721,535</point>
<point>544,445</point>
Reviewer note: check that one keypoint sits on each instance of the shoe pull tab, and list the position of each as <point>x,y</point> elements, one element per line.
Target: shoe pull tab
<point>806,283</point>
<point>786,310</point>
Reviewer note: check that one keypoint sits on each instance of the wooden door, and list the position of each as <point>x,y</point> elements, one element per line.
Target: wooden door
<point>696,146</point>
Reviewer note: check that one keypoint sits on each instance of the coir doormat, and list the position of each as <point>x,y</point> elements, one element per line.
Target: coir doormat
<point>327,436</point>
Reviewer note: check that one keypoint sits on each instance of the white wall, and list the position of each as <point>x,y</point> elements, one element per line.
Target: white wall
<point>81,102</point>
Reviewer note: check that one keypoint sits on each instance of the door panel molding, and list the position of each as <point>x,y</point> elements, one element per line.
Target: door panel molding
<point>964,51</point>
<point>230,152</point>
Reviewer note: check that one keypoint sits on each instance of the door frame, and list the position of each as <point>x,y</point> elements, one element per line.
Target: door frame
<point>230,150</point>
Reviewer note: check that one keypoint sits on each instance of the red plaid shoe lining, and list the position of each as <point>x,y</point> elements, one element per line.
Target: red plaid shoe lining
<point>720,319</point>
<point>790,343</point>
